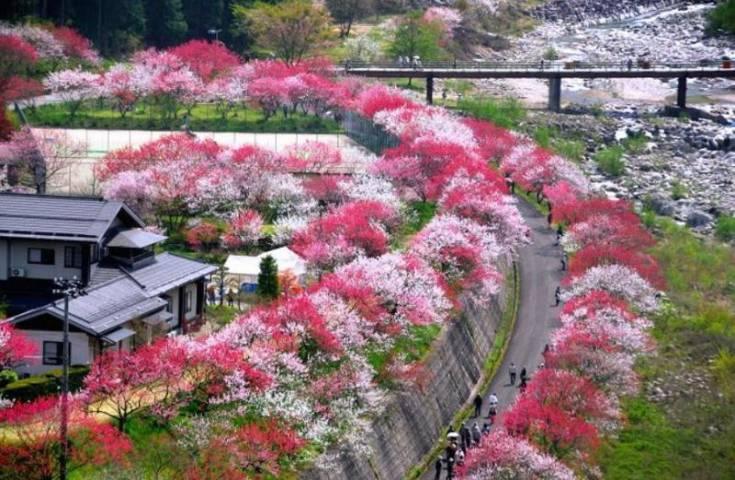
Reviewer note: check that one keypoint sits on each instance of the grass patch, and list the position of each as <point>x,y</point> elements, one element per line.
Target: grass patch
<point>417,216</point>
<point>647,447</point>
<point>504,112</point>
<point>689,432</point>
<point>203,118</point>
<point>635,144</point>
<point>679,190</point>
<point>412,347</point>
<point>551,138</point>
<point>725,228</point>
<point>610,160</point>
<point>221,315</point>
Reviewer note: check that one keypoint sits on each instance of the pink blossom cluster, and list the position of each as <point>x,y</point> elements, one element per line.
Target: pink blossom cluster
<point>501,455</point>
<point>448,18</point>
<point>54,43</point>
<point>464,252</point>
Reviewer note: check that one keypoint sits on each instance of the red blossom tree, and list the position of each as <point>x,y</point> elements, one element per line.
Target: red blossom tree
<point>14,346</point>
<point>31,449</point>
<point>206,59</point>
<point>253,451</point>
<point>204,236</point>
<point>593,255</point>
<point>356,228</point>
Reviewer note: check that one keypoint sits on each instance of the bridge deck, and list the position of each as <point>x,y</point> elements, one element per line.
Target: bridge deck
<point>537,70</point>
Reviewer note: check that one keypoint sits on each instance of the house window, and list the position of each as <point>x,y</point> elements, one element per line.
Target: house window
<point>73,257</point>
<point>41,256</point>
<point>53,353</point>
<point>188,301</point>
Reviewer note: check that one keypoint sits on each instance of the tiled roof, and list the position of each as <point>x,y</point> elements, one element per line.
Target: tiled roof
<point>58,217</point>
<point>170,271</point>
<point>116,297</point>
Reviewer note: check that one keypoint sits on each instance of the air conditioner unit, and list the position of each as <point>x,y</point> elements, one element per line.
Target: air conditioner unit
<point>17,272</point>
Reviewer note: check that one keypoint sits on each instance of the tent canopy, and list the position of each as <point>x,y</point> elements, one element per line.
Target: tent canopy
<point>248,266</point>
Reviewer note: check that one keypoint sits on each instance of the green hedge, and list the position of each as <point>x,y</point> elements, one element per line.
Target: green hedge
<point>48,383</point>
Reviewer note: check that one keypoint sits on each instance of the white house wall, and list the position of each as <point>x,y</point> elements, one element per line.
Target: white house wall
<point>19,259</point>
<point>81,354</point>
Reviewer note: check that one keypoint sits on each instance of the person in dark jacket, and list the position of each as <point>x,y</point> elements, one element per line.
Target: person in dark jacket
<point>524,374</point>
<point>478,405</point>
<point>557,296</point>
<point>465,437</point>
<point>438,468</point>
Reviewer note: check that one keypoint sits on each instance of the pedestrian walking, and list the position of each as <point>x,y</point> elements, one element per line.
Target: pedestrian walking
<point>548,218</point>
<point>450,468</point>
<point>492,400</point>
<point>522,385</point>
<point>557,295</point>
<point>478,405</point>
<point>465,437</point>
<point>512,372</point>
<point>230,299</point>
<point>546,349</point>
<point>491,415</point>
<point>630,64</point>
<point>564,261</point>
<point>524,374</point>
<point>476,434</point>
<point>438,468</point>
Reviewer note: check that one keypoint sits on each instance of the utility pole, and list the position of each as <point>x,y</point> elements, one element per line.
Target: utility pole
<point>69,289</point>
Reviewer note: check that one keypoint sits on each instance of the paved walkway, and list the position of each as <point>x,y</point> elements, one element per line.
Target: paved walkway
<point>540,273</point>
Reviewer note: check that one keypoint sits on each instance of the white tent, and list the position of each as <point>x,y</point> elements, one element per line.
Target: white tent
<point>246,268</point>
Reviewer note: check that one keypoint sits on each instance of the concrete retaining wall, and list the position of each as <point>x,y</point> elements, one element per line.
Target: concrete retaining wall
<point>413,420</point>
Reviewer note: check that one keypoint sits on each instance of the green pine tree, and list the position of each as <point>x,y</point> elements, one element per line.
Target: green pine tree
<point>166,22</point>
<point>268,278</point>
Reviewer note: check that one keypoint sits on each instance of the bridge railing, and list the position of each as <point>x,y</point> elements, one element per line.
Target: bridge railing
<point>638,65</point>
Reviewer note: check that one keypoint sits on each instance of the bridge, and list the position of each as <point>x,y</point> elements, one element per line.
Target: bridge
<point>554,71</point>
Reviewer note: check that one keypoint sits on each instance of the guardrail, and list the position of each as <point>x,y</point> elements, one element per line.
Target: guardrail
<point>540,66</point>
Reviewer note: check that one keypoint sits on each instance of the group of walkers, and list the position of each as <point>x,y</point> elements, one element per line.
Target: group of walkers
<point>459,442</point>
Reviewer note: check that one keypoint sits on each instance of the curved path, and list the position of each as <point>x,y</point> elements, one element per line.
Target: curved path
<point>539,267</point>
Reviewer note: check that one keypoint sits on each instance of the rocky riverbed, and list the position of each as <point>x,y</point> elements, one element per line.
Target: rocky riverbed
<point>669,35</point>
<point>685,169</point>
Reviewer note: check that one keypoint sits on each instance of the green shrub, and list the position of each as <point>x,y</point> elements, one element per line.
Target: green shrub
<point>723,17</point>
<point>7,376</point>
<point>678,190</point>
<point>551,54</point>
<point>610,160</point>
<point>49,383</point>
<point>636,144</point>
<point>506,112</point>
<point>725,228</point>
<point>570,149</point>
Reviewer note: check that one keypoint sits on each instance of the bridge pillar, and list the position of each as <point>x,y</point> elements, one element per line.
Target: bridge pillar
<point>555,94</point>
<point>430,90</point>
<point>681,93</point>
